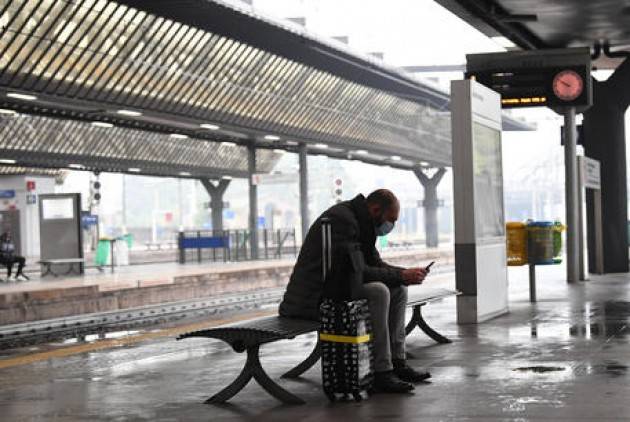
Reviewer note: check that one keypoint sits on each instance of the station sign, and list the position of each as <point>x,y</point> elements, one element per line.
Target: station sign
<point>550,78</point>
<point>88,220</point>
<point>274,178</point>
<point>591,173</point>
<point>7,194</point>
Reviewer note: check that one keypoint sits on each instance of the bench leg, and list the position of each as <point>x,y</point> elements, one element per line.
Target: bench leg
<point>70,269</point>
<point>307,364</point>
<point>253,369</point>
<point>417,320</point>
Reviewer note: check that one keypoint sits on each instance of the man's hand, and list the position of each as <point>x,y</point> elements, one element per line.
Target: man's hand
<point>414,275</point>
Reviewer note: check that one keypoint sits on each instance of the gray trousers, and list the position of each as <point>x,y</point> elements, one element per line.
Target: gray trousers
<point>387,309</point>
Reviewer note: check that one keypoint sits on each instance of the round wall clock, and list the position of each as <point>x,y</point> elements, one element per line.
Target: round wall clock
<point>568,85</point>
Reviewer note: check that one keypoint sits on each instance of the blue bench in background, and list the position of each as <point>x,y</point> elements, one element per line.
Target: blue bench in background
<point>200,242</point>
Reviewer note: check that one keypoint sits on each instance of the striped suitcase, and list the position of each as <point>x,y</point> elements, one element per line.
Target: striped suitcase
<point>345,337</point>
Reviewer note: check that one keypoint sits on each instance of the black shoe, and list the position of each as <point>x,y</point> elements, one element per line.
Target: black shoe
<point>408,374</point>
<point>387,382</point>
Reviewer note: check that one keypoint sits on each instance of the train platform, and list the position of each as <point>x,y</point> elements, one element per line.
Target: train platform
<point>561,359</point>
<point>141,285</point>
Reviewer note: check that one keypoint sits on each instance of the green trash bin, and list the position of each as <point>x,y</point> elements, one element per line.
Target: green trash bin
<point>102,252</point>
<point>540,242</point>
<point>128,238</point>
<point>558,228</point>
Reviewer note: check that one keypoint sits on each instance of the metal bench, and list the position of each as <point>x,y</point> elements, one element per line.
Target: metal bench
<point>250,335</point>
<point>70,262</point>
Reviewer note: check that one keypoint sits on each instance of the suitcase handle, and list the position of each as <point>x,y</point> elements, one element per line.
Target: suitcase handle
<point>326,247</point>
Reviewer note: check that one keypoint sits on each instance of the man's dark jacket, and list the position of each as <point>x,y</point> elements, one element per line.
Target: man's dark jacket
<point>351,223</point>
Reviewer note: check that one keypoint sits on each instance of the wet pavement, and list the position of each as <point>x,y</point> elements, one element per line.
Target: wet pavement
<point>563,359</point>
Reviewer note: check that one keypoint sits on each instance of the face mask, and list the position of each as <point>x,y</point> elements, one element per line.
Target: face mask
<point>384,228</point>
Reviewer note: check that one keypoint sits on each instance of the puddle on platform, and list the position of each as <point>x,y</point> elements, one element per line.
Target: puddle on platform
<point>595,320</point>
<point>540,369</point>
<point>611,368</point>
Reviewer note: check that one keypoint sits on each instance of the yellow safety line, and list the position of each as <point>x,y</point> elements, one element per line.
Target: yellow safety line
<point>344,339</point>
<point>125,341</point>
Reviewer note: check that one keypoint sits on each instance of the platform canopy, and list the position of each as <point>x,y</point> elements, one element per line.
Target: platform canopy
<point>538,24</point>
<point>176,78</point>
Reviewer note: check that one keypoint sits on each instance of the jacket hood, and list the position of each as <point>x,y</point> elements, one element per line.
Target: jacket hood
<point>366,224</point>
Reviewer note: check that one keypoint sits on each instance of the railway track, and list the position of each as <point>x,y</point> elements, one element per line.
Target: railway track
<point>80,326</point>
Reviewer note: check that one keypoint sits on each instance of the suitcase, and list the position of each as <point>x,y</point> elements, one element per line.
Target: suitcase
<point>345,331</point>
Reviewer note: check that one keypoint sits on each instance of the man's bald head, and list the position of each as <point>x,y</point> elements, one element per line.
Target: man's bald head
<point>384,198</point>
<point>383,206</point>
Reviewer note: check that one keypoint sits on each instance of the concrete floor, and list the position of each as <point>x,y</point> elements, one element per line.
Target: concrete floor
<point>565,358</point>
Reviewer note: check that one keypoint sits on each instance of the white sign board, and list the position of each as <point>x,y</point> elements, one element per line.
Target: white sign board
<point>480,248</point>
<point>590,173</point>
<point>58,209</point>
<point>276,178</point>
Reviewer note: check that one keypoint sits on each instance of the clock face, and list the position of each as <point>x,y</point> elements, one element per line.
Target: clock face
<point>568,85</point>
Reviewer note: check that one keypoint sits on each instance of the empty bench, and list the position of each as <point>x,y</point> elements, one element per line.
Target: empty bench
<point>250,335</point>
<point>75,265</point>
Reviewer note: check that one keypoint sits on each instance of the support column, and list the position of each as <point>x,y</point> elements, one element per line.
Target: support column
<point>430,204</point>
<point>571,195</point>
<point>253,200</point>
<point>605,140</point>
<point>216,192</point>
<point>124,203</point>
<point>304,217</point>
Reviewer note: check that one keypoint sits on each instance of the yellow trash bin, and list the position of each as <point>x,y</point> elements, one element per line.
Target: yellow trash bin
<point>516,243</point>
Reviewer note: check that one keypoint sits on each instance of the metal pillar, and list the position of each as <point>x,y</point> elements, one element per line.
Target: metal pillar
<point>253,200</point>
<point>430,205</point>
<point>216,192</point>
<point>580,201</point>
<point>532,283</point>
<point>571,195</point>
<point>124,203</point>
<point>304,217</point>
<point>605,141</point>
<point>180,206</point>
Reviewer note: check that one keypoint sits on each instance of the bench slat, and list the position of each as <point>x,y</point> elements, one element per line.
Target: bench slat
<point>61,261</point>
<point>257,331</point>
<point>264,330</point>
<point>417,297</point>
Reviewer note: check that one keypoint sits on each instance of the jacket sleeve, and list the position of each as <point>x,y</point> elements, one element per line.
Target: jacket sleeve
<point>345,230</point>
<point>377,258</point>
<point>382,271</point>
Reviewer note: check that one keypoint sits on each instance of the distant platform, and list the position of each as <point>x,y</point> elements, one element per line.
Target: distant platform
<point>141,285</point>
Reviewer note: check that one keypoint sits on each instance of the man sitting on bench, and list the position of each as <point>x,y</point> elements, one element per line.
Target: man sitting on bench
<point>8,256</point>
<point>361,220</point>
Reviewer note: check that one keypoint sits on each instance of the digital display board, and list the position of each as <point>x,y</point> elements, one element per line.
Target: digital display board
<point>551,87</point>
<point>548,78</point>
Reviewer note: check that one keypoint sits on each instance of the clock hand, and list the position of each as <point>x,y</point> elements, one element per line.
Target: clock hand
<point>565,83</point>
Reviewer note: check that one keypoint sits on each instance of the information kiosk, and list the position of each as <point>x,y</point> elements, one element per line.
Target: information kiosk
<point>480,248</point>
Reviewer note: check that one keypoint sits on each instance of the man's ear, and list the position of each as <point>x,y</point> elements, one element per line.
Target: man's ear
<point>375,210</point>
